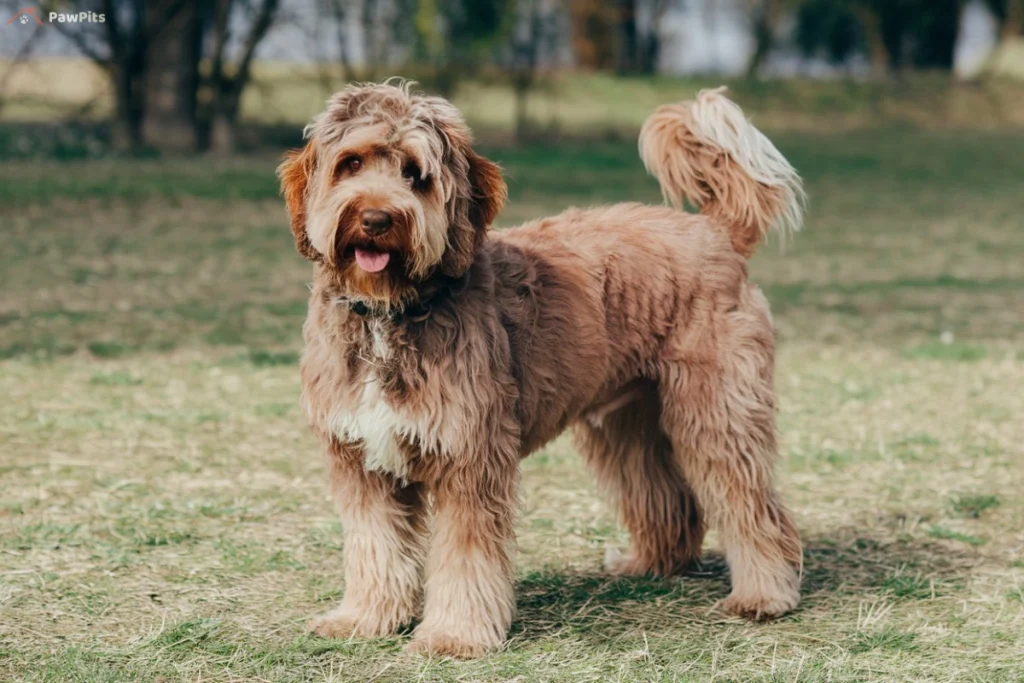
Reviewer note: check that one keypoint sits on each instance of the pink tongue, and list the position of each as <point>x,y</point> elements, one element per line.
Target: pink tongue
<point>372,261</point>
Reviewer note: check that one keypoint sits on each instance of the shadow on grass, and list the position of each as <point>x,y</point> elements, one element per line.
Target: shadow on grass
<point>604,607</point>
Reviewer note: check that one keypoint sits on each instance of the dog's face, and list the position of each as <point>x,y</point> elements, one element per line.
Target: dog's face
<point>389,193</point>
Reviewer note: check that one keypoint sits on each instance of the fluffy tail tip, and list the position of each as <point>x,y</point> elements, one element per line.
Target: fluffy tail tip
<point>708,153</point>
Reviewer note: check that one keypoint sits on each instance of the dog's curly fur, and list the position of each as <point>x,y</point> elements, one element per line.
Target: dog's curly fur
<point>429,378</point>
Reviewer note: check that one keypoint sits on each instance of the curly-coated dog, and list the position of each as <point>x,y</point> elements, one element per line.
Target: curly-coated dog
<point>438,355</point>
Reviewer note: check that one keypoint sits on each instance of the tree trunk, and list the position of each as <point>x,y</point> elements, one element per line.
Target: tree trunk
<point>129,107</point>
<point>223,135</point>
<point>878,50</point>
<point>649,51</point>
<point>1013,23</point>
<point>172,80</point>
<point>935,43</point>
<point>594,23</point>
<point>522,92</point>
<point>219,120</point>
<point>371,47</point>
<point>766,19</point>
<point>124,133</point>
<point>338,8</point>
<point>526,48</point>
<point>629,38</point>
<point>893,29</point>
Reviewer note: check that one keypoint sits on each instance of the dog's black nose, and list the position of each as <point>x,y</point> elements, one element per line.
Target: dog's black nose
<point>376,222</point>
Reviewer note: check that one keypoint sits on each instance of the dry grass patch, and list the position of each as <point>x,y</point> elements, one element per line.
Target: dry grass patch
<point>177,525</point>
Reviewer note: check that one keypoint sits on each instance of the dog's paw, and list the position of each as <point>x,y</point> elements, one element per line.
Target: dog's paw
<point>345,623</point>
<point>620,562</point>
<point>761,607</point>
<point>439,644</point>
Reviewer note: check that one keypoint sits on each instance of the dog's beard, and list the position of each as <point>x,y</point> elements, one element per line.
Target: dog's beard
<point>385,271</point>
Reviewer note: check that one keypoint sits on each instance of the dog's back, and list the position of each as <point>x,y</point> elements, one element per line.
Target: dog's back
<point>647,268</point>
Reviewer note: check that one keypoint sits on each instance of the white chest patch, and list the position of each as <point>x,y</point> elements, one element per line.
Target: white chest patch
<point>380,342</point>
<point>373,422</point>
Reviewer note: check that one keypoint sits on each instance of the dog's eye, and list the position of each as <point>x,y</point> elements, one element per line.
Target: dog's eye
<point>412,174</point>
<point>349,165</point>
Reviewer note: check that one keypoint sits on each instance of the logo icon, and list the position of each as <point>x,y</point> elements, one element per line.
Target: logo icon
<point>23,15</point>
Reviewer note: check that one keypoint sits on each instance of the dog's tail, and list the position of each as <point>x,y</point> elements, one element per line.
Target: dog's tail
<point>708,153</point>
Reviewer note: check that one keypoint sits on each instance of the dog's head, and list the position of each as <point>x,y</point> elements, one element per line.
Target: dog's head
<point>388,192</point>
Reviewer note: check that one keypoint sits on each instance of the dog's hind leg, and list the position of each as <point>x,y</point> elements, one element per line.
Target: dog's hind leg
<point>718,408</point>
<point>634,464</point>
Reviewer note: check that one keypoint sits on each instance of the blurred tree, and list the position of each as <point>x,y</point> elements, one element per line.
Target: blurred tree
<point>871,25</point>
<point>593,33</point>
<point>639,43</point>
<point>217,117</point>
<point>526,38</point>
<point>375,36</point>
<point>895,33</point>
<point>535,35</point>
<point>119,46</point>
<point>1013,22</point>
<point>456,36</point>
<point>619,35</point>
<point>933,28</point>
<point>171,82</point>
<point>22,55</point>
<point>834,30</point>
<point>766,17</point>
<point>1010,14</point>
<point>153,51</point>
<point>339,11</point>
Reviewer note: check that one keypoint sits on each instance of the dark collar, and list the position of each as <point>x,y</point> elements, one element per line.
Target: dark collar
<point>414,310</point>
<point>391,315</point>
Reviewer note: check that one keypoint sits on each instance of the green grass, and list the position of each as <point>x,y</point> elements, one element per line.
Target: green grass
<point>949,534</point>
<point>885,639</point>
<point>973,505</point>
<point>164,513</point>
<point>947,351</point>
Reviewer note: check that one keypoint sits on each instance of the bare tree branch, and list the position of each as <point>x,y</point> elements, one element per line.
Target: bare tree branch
<point>115,37</point>
<point>221,33</point>
<point>340,10</point>
<point>152,29</point>
<point>260,26</point>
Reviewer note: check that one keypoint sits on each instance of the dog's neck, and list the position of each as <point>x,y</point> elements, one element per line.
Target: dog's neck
<point>418,308</point>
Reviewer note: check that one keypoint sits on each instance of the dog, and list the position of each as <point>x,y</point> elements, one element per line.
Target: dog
<point>439,354</point>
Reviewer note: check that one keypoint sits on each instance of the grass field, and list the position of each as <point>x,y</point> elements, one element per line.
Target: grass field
<point>164,513</point>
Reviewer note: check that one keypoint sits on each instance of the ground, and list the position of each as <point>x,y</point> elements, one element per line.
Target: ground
<point>164,513</point>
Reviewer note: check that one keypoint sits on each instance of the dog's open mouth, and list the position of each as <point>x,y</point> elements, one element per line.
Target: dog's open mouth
<point>372,260</point>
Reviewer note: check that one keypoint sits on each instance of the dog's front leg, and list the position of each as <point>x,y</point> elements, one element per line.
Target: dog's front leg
<point>385,545</point>
<point>470,599</point>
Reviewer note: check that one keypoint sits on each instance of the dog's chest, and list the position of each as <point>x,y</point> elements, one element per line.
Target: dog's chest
<point>384,430</point>
<point>380,428</point>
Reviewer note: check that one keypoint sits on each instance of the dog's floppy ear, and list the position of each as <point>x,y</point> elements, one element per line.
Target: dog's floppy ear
<point>489,191</point>
<point>295,173</point>
<point>486,196</point>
